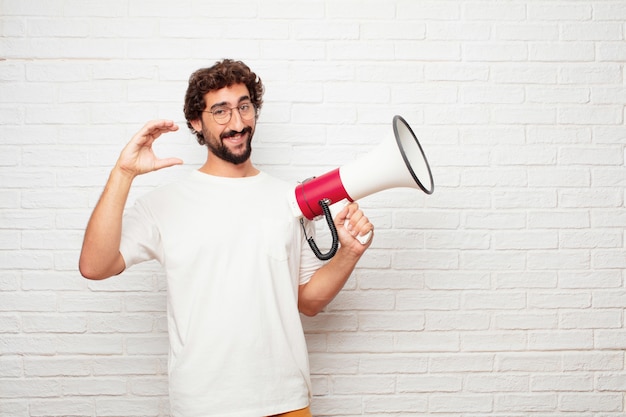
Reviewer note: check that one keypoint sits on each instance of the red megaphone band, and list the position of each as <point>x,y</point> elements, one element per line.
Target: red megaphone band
<point>311,191</point>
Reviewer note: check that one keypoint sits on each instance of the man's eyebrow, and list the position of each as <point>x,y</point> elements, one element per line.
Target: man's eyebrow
<point>223,103</point>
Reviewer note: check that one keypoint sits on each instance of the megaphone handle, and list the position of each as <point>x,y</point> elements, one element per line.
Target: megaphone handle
<point>365,238</point>
<point>333,231</point>
<point>337,207</point>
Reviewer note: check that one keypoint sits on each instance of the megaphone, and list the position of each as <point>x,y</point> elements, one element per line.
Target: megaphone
<point>389,165</point>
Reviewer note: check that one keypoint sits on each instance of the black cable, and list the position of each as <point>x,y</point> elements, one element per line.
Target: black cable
<point>333,231</point>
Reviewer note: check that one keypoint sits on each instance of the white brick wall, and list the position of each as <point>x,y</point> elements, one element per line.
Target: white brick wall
<point>502,294</point>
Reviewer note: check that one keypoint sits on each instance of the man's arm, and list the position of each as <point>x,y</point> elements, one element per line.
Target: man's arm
<point>100,256</point>
<point>327,281</point>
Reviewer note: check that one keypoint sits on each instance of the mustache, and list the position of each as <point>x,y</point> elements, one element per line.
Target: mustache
<point>232,133</point>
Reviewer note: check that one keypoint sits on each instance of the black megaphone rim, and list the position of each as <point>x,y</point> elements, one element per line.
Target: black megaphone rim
<point>406,159</point>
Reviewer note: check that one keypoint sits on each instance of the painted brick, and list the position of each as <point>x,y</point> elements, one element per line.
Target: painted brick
<point>502,293</point>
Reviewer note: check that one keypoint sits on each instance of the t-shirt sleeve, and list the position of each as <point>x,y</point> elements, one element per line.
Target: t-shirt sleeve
<point>309,263</point>
<point>141,240</point>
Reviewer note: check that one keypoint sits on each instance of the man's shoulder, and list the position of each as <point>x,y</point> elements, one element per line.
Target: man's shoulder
<point>273,179</point>
<point>166,188</point>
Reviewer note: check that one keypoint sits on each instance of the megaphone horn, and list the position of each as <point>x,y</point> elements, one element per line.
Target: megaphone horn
<point>386,166</point>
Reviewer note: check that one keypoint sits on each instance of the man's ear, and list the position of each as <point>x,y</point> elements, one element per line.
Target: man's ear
<point>197,125</point>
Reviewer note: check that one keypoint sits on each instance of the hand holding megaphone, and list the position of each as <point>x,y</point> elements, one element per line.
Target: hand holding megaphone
<point>387,166</point>
<point>336,208</point>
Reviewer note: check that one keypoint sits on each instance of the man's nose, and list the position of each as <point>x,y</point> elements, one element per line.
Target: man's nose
<point>236,121</point>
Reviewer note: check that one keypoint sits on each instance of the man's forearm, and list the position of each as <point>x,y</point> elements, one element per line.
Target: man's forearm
<point>100,256</point>
<point>326,283</point>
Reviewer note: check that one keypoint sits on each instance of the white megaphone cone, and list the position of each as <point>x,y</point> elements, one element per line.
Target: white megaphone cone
<point>389,165</point>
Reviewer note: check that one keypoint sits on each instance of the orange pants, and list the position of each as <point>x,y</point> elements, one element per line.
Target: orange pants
<point>305,412</point>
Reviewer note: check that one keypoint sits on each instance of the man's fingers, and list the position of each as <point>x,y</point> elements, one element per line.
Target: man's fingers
<point>155,128</point>
<point>167,162</point>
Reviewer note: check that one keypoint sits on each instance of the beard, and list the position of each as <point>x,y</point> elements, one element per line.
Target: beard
<point>219,149</point>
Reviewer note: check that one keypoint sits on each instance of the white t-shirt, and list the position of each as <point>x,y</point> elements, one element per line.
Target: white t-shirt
<point>234,256</point>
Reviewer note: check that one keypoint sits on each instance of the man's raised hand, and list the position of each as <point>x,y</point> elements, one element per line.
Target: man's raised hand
<point>138,157</point>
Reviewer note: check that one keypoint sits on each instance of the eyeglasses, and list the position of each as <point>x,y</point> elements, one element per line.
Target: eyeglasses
<point>222,114</point>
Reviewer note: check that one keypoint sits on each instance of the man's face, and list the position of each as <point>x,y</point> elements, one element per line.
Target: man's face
<point>230,141</point>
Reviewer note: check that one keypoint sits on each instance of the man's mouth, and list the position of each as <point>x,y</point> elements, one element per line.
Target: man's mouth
<point>235,137</point>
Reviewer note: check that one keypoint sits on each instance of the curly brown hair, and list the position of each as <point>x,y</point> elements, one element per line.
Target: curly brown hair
<point>223,74</point>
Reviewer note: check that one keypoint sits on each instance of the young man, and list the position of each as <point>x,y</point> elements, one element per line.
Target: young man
<point>238,268</point>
